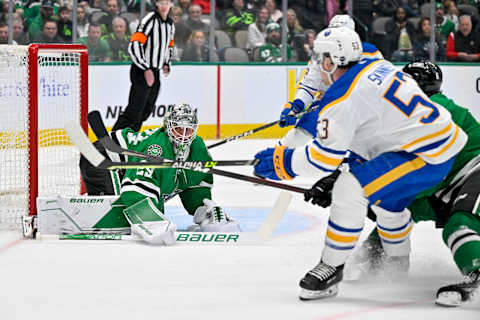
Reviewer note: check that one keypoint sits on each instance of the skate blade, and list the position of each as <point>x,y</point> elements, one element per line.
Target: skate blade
<point>449,299</point>
<point>313,295</point>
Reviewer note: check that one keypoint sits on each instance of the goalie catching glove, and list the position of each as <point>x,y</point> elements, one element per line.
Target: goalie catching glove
<point>212,218</point>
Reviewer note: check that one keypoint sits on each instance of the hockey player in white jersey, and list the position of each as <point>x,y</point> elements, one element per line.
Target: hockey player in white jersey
<point>376,111</point>
<point>312,87</point>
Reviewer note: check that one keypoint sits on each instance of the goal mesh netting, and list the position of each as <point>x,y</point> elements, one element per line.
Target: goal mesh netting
<point>36,156</point>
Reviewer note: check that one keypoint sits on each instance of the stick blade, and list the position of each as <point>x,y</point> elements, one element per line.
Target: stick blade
<point>96,123</point>
<point>276,214</point>
<point>80,139</point>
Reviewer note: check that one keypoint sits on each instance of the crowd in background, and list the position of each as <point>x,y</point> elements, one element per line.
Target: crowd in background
<point>251,30</point>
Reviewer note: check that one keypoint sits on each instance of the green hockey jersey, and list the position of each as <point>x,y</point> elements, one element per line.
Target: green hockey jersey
<point>158,184</point>
<point>421,208</point>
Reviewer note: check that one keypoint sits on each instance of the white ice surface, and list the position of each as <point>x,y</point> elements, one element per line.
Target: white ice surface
<point>125,280</point>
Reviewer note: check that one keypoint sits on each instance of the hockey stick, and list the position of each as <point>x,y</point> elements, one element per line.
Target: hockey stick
<point>181,237</point>
<point>98,160</point>
<point>252,131</point>
<point>100,131</point>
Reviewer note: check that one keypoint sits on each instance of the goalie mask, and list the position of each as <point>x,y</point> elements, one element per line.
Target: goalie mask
<point>181,123</point>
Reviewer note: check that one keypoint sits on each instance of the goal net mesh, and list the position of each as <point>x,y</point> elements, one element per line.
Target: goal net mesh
<point>58,96</point>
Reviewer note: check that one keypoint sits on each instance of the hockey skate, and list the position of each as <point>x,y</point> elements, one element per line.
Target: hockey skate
<point>455,295</point>
<point>321,282</point>
<point>371,260</point>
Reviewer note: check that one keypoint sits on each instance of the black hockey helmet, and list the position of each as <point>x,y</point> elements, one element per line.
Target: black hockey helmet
<point>427,74</point>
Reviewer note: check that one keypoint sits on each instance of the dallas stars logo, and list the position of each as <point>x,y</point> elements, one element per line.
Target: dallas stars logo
<point>155,150</point>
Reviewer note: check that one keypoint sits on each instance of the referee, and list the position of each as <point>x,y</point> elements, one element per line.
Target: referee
<point>151,49</point>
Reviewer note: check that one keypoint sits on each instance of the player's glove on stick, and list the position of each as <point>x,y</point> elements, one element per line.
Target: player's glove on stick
<point>321,192</point>
<point>275,163</point>
<point>287,117</point>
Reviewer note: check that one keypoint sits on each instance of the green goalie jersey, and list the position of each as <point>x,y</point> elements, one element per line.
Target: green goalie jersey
<point>158,184</point>
<point>421,207</point>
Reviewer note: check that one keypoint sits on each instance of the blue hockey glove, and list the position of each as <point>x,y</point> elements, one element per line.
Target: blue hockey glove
<point>275,163</point>
<point>287,117</point>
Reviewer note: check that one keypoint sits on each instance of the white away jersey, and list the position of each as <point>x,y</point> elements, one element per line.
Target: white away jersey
<point>373,109</point>
<point>312,87</point>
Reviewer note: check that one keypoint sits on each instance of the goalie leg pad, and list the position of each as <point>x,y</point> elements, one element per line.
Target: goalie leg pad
<point>149,223</point>
<point>212,218</point>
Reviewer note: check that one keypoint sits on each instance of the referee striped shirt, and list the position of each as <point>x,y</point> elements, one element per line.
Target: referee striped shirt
<point>151,46</point>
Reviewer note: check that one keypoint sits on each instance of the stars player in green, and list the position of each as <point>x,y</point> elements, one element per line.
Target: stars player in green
<point>143,192</point>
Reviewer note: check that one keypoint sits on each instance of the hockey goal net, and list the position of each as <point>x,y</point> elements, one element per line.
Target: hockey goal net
<point>41,87</point>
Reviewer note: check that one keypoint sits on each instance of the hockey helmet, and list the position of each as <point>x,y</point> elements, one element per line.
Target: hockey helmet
<point>342,20</point>
<point>427,74</point>
<point>342,45</point>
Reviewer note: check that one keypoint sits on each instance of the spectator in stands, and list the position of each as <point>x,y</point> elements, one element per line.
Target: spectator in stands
<point>205,5</point>
<point>184,5</point>
<point>19,35</point>
<point>293,26</point>
<point>96,5</point>
<point>196,50</point>
<point>311,34</point>
<point>4,33</point>
<point>275,14</point>
<point>118,40</point>
<point>65,24</point>
<point>421,45</point>
<point>306,52</point>
<point>257,31</point>
<point>399,37</point>
<point>112,11</point>
<point>49,33</point>
<point>333,7</point>
<point>310,13</point>
<point>236,18</point>
<point>451,12</point>
<point>98,49</point>
<point>184,29</point>
<point>46,13</point>
<point>442,24</point>
<point>464,45</point>
<point>82,22</point>
<point>176,14</point>
<point>32,10</point>
<point>272,50</point>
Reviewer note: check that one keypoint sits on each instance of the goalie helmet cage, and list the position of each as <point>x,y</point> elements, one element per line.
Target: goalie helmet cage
<point>41,87</point>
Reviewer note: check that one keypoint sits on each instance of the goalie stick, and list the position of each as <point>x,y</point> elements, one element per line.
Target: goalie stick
<point>252,131</point>
<point>98,127</point>
<point>98,160</point>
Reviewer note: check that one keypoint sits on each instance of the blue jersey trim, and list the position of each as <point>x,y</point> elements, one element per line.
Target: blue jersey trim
<point>341,153</point>
<point>339,228</point>
<point>395,229</point>
<point>331,245</point>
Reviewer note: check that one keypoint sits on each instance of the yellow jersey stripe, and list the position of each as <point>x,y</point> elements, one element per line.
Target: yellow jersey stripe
<point>394,236</point>
<point>430,136</point>
<point>339,238</point>
<point>322,158</point>
<point>350,89</point>
<point>370,53</point>
<point>393,175</point>
<point>446,147</point>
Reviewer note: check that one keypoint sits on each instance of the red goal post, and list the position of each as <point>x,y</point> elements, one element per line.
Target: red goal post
<point>41,87</point>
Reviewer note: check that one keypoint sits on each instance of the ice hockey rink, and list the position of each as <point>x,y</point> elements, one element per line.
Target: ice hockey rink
<point>131,280</point>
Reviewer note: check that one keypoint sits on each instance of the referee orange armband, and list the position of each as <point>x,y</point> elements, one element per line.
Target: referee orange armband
<point>139,36</point>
